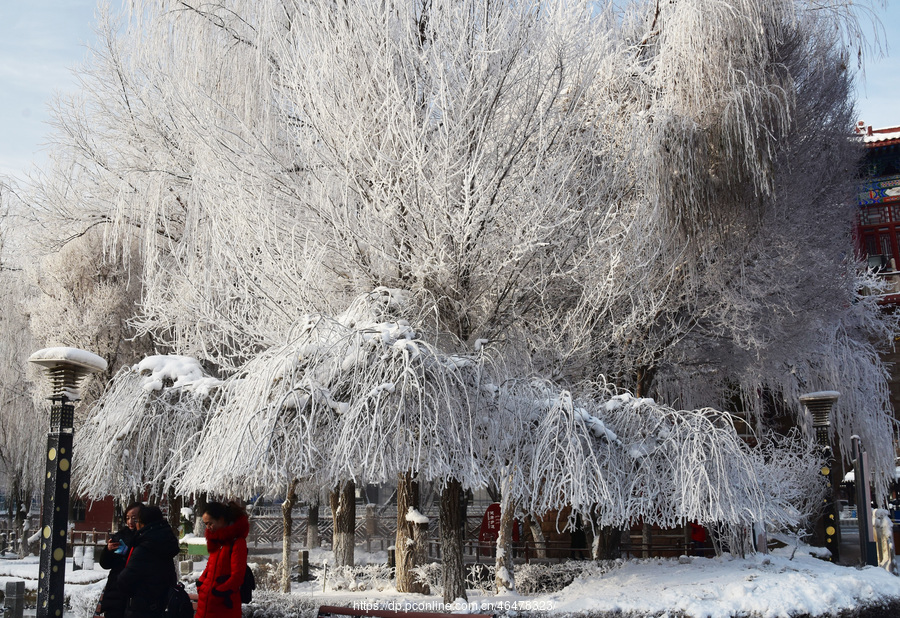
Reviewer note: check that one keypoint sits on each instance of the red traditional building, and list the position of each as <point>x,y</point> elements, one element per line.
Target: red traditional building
<point>877,225</point>
<point>91,515</point>
<point>879,204</point>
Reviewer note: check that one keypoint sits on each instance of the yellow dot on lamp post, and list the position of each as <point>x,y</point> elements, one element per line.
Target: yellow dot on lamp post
<point>64,465</point>
<point>830,530</point>
<point>58,554</point>
<point>46,532</point>
<point>825,470</point>
<point>51,454</point>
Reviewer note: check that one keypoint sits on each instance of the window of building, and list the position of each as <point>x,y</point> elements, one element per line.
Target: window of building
<point>79,510</point>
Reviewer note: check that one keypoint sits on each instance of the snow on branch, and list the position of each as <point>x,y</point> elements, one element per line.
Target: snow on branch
<point>356,396</point>
<point>137,439</point>
<point>625,459</point>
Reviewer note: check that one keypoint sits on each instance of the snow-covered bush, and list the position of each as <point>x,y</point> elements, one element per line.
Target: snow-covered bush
<point>481,577</point>
<point>268,604</point>
<point>81,604</point>
<point>368,577</point>
<point>141,433</point>
<point>431,574</point>
<point>267,574</point>
<point>543,578</point>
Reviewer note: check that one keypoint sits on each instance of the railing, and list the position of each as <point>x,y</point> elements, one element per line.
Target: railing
<point>84,548</point>
<point>560,551</point>
<point>377,529</point>
<point>374,527</point>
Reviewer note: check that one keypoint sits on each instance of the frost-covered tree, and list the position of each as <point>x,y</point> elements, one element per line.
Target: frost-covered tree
<point>141,433</point>
<point>23,427</point>
<point>780,312</point>
<point>360,396</point>
<point>267,434</point>
<point>86,301</point>
<point>499,123</point>
<point>564,180</point>
<point>755,289</point>
<point>615,460</point>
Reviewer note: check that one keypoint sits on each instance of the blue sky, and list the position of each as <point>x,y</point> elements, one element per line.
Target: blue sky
<point>878,97</point>
<point>42,40</point>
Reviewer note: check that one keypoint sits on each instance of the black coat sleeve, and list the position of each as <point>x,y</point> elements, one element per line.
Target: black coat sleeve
<point>110,560</point>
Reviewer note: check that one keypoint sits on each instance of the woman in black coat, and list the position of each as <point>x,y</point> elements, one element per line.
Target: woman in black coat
<point>149,571</point>
<point>112,557</point>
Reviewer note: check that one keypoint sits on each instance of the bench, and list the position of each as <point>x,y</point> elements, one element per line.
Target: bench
<point>332,611</point>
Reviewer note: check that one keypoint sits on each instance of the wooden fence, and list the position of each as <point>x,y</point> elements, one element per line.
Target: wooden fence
<point>376,529</point>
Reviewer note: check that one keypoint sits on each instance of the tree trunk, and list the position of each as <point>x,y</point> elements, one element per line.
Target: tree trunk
<point>644,380</point>
<point>646,540</point>
<point>409,540</point>
<point>540,542</point>
<point>174,501</point>
<point>20,518</point>
<point>287,518</point>
<point>199,507</point>
<point>504,576</point>
<point>453,534</point>
<point>312,526</point>
<point>343,510</point>
<point>607,544</point>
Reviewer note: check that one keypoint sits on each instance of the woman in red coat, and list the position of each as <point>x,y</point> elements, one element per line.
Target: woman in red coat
<point>219,588</point>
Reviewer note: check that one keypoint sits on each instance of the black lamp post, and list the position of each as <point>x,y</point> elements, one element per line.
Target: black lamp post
<point>66,368</point>
<point>827,528</point>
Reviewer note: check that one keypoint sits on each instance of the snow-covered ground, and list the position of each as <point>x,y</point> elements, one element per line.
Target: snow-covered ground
<point>775,585</point>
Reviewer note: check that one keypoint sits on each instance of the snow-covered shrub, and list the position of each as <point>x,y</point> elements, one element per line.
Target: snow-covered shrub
<point>481,577</point>
<point>431,574</point>
<point>787,469</point>
<point>368,577</point>
<point>543,578</point>
<point>267,574</point>
<point>81,604</point>
<point>140,435</point>
<point>268,604</point>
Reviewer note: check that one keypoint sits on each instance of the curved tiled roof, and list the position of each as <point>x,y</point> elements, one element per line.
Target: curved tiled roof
<point>878,137</point>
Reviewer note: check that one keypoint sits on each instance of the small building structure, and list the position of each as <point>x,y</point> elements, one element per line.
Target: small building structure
<point>878,224</point>
<point>879,205</point>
